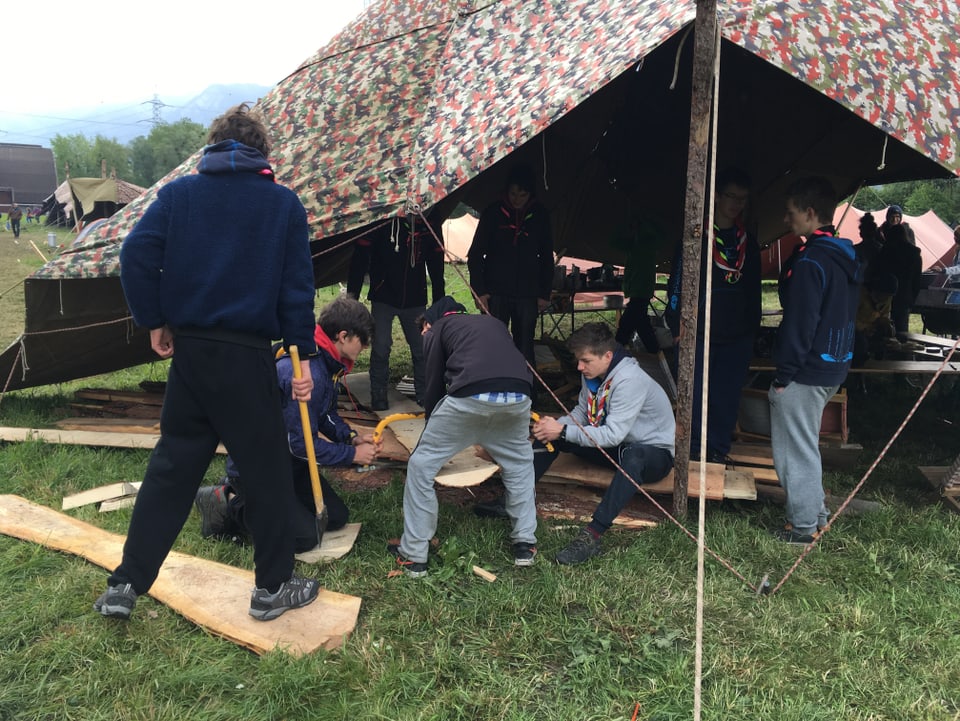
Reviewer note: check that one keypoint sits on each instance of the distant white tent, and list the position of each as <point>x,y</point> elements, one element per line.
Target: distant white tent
<point>457,237</point>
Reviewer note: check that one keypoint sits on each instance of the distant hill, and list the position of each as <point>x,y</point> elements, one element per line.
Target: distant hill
<point>209,104</point>
<point>126,121</point>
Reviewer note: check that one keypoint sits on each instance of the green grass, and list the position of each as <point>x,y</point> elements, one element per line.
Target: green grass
<point>865,630</point>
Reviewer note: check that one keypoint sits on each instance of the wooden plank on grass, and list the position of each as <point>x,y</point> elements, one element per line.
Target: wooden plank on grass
<point>84,438</point>
<point>105,394</point>
<point>110,425</point>
<point>576,503</point>
<point>101,493</point>
<point>335,544</point>
<point>212,595</point>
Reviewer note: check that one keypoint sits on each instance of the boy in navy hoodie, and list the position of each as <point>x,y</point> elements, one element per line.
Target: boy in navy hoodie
<point>819,294</point>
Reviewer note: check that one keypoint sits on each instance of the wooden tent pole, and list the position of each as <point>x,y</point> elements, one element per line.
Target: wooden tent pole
<point>704,56</point>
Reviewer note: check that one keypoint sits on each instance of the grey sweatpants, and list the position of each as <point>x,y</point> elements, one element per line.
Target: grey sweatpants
<point>503,429</point>
<point>796,413</point>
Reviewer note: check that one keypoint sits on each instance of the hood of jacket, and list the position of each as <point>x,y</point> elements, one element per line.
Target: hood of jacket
<point>229,156</point>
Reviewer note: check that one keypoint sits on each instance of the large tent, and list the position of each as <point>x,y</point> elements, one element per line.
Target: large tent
<point>82,200</point>
<point>422,103</point>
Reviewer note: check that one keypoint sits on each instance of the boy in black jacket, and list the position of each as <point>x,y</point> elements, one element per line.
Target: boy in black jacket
<point>398,257</point>
<point>478,392</point>
<point>819,295</point>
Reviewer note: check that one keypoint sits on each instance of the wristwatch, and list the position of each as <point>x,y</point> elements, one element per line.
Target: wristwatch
<point>563,433</point>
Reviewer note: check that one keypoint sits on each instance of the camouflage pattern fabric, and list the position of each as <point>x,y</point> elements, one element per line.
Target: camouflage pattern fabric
<point>416,97</point>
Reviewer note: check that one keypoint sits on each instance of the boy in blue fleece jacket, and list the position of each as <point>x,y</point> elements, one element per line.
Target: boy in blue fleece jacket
<point>819,293</point>
<point>217,267</point>
<point>343,330</point>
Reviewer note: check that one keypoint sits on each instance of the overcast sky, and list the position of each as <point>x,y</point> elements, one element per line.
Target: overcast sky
<point>60,57</point>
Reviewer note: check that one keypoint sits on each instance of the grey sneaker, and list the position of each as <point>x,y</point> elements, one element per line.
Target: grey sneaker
<point>211,502</point>
<point>295,593</point>
<point>116,601</point>
<point>414,569</point>
<point>524,554</point>
<point>787,534</point>
<point>581,548</point>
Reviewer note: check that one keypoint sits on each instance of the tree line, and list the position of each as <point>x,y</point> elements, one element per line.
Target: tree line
<point>142,161</point>
<point>916,197</point>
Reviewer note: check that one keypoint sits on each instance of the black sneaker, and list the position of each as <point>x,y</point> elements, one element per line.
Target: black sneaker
<point>787,534</point>
<point>581,548</point>
<point>524,554</point>
<point>295,593</point>
<point>379,403</point>
<point>116,601</point>
<point>497,508</point>
<point>414,569</point>
<point>211,502</point>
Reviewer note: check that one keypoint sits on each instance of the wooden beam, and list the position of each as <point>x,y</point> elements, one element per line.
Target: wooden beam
<point>212,595</point>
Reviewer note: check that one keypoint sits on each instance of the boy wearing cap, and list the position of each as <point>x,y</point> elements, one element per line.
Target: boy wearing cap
<point>813,351</point>
<point>477,392</point>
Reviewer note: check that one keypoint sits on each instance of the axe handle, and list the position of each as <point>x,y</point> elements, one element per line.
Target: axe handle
<point>308,436</point>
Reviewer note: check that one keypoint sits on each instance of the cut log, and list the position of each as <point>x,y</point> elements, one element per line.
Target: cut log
<point>333,545</point>
<point>212,595</point>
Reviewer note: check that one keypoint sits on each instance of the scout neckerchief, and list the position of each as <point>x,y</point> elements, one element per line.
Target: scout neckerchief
<point>824,231</point>
<point>730,257</point>
<point>597,401</point>
<point>516,217</point>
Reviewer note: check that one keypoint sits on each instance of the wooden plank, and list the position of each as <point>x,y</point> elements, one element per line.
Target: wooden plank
<point>715,478</point>
<point>85,438</point>
<point>578,504</point>
<point>115,504</point>
<point>335,544</point>
<point>101,493</point>
<point>857,506</point>
<point>739,485</point>
<point>893,367</point>
<point>110,425</point>
<point>572,467</point>
<point>105,394</point>
<point>212,595</point>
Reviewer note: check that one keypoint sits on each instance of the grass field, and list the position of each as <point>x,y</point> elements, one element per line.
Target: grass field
<point>865,630</point>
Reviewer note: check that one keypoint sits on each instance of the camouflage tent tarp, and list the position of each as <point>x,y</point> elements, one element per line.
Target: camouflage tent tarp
<point>426,102</point>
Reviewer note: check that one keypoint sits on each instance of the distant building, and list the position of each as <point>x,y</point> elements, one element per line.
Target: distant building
<point>28,174</point>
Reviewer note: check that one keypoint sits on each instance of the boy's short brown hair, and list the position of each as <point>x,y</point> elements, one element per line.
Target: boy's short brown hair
<point>243,125</point>
<point>814,192</point>
<point>596,338</point>
<point>349,314</point>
